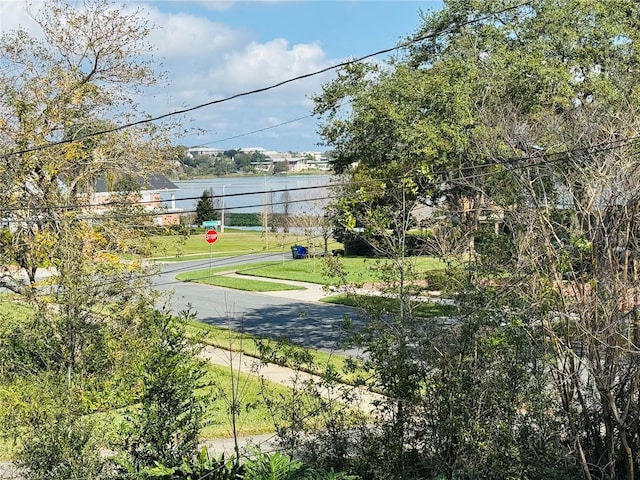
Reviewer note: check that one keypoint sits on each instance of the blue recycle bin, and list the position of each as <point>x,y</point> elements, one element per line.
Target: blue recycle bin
<point>298,252</point>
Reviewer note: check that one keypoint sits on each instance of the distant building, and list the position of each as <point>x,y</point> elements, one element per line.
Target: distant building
<point>192,152</point>
<point>151,187</point>
<point>297,162</point>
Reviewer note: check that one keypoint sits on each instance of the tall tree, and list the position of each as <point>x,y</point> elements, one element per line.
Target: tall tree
<point>73,82</point>
<point>207,207</point>
<point>58,91</point>
<point>524,111</point>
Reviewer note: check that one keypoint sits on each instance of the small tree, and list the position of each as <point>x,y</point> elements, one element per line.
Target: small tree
<point>207,208</point>
<point>280,167</point>
<point>58,439</point>
<point>166,427</point>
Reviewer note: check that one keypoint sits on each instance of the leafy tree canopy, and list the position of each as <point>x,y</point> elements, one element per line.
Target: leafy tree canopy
<point>529,110</point>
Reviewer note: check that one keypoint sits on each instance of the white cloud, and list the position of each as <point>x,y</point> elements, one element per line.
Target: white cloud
<point>223,5</point>
<point>217,5</point>
<point>271,62</point>
<point>183,35</point>
<point>15,14</point>
<point>205,60</point>
<point>259,65</point>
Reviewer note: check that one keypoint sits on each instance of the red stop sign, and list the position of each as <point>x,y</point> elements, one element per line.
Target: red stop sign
<point>211,236</point>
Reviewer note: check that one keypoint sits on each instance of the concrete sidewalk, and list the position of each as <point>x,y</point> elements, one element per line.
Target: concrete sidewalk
<point>238,362</point>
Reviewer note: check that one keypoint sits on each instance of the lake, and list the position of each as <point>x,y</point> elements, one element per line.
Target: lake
<point>306,193</point>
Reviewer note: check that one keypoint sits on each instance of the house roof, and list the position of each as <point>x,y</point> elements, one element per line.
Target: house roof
<point>148,182</point>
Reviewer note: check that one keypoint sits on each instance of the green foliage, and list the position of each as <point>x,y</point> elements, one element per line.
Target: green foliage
<point>206,208</point>
<point>223,166</point>
<point>204,466</point>
<point>260,466</point>
<point>447,281</point>
<point>472,117</point>
<point>376,303</point>
<point>26,345</point>
<point>56,437</point>
<point>277,466</point>
<point>244,219</point>
<point>225,163</point>
<point>165,428</point>
<point>280,167</point>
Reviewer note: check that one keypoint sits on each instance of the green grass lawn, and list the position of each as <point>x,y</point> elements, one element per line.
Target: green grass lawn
<point>231,242</point>
<point>357,270</point>
<point>253,419</point>
<point>222,280</point>
<point>13,309</point>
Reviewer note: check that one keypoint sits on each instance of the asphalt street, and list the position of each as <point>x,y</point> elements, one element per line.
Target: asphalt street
<point>307,323</point>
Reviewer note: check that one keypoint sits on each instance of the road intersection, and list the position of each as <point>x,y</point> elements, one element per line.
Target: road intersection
<point>296,315</point>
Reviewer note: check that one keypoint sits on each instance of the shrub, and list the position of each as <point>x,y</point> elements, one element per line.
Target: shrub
<point>204,466</point>
<point>165,428</point>
<point>447,280</point>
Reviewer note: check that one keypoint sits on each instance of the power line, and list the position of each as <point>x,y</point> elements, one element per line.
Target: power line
<point>254,131</point>
<point>287,122</point>
<point>113,203</point>
<point>400,46</point>
<point>160,212</point>
<point>539,159</point>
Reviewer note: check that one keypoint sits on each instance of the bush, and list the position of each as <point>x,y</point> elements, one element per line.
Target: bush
<point>283,467</point>
<point>165,429</point>
<point>202,467</point>
<point>262,467</point>
<point>57,439</point>
<point>357,246</point>
<point>447,280</point>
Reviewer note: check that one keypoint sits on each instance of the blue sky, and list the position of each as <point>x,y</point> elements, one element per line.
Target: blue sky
<point>212,50</point>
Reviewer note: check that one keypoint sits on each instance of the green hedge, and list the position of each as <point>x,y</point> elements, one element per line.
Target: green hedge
<point>253,219</point>
<point>243,219</point>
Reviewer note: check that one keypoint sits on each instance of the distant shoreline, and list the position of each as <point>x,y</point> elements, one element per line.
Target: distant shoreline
<point>250,175</point>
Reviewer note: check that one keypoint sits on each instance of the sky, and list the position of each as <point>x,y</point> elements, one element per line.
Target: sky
<point>211,50</point>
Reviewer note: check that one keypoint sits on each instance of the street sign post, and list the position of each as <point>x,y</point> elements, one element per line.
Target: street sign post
<point>211,237</point>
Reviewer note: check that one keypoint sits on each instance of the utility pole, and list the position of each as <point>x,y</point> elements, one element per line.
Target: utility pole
<point>223,207</point>
<point>265,216</point>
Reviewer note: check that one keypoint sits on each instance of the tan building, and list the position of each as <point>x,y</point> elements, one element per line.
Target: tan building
<point>151,187</point>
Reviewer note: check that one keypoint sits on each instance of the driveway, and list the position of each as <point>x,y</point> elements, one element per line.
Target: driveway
<point>307,323</point>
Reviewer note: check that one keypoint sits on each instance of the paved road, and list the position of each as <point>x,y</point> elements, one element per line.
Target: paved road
<point>310,323</point>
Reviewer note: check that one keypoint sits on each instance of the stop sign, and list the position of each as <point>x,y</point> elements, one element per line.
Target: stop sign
<point>211,236</point>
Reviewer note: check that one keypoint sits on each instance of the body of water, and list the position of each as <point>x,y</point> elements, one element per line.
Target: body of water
<point>304,193</point>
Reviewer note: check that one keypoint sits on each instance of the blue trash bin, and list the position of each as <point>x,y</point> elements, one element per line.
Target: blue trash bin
<point>298,252</point>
